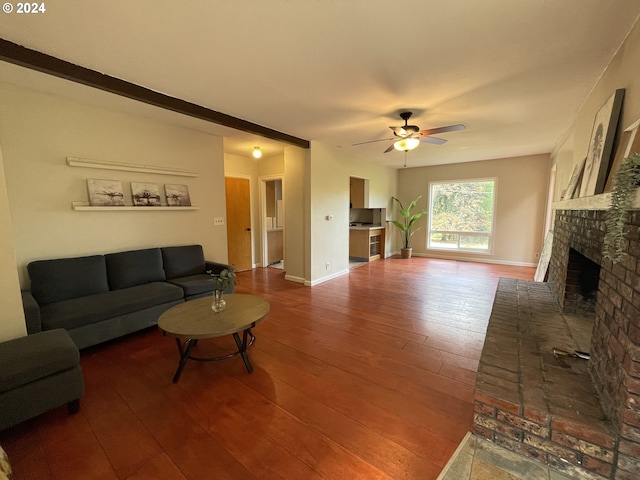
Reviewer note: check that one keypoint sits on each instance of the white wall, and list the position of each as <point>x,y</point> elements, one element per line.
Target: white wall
<point>11,314</point>
<point>622,72</point>
<point>520,206</point>
<point>38,131</point>
<point>329,189</point>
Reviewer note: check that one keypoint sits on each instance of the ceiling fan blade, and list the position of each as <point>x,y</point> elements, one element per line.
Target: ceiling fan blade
<point>389,148</point>
<point>399,131</point>
<point>448,128</point>
<point>373,141</point>
<point>434,140</point>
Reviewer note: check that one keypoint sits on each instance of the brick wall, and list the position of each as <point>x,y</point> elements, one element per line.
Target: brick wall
<point>615,343</point>
<point>582,230</point>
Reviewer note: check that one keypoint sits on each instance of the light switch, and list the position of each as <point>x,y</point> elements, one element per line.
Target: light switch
<point>218,220</point>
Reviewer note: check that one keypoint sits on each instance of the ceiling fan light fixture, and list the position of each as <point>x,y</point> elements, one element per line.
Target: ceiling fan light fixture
<point>406,144</point>
<point>257,153</point>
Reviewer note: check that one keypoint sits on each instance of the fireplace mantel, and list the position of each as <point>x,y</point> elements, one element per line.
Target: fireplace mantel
<point>595,202</point>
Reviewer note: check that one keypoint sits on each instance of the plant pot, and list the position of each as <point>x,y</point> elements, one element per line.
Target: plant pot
<point>406,252</point>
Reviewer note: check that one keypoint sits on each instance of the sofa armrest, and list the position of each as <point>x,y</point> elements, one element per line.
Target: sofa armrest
<point>216,267</point>
<point>31,312</point>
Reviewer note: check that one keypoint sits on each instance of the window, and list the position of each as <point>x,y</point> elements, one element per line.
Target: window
<point>461,215</point>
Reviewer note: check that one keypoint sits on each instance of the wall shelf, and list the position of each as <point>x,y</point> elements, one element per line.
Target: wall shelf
<point>85,207</point>
<point>129,167</point>
<point>595,202</point>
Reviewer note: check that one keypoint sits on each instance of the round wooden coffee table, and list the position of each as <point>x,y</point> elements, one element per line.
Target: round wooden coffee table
<point>194,320</point>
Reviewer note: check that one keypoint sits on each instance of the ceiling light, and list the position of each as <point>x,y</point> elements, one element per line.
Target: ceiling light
<point>406,144</point>
<point>257,153</point>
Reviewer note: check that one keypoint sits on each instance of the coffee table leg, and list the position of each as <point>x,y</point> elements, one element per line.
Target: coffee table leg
<point>242,348</point>
<point>185,350</point>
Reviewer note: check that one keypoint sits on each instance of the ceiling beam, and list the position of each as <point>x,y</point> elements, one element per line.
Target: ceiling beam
<point>25,57</point>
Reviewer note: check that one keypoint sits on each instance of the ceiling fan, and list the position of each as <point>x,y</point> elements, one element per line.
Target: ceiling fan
<point>407,137</point>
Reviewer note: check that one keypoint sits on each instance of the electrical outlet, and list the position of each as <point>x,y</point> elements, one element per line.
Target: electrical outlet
<point>327,266</point>
<point>218,220</point>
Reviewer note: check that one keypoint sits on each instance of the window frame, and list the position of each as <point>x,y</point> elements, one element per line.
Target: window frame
<point>491,234</point>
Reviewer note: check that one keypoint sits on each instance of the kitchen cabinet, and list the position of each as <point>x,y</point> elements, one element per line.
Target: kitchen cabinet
<point>366,242</point>
<point>358,192</point>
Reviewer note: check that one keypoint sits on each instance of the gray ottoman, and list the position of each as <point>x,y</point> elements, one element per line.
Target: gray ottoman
<point>37,373</point>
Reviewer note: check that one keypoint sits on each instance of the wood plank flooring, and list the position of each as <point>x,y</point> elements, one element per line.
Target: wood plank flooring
<point>366,376</point>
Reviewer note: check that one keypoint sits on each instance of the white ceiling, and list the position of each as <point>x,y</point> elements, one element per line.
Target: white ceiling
<point>515,72</point>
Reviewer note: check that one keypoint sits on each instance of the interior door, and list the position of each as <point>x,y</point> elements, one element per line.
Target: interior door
<point>238,197</point>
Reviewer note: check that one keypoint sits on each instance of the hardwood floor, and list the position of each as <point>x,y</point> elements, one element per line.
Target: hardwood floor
<point>367,376</point>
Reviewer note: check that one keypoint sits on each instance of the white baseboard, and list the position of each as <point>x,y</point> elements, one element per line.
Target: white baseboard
<point>327,278</point>
<point>473,259</point>
<point>291,278</point>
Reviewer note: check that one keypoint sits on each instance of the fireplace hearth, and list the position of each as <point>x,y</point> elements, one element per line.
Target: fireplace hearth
<point>597,432</point>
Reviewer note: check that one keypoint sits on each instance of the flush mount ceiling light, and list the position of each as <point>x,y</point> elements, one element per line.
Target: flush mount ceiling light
<point>257,153</point>
<point>406,144</point>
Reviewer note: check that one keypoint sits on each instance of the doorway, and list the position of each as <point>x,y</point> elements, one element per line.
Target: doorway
<point>238,198</point>
<point>273,223</point>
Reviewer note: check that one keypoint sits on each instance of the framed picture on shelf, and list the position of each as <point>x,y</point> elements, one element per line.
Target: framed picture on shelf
<point>601,145</point>
<point>177,195</point>
<point>145,194</point>
<point>105,193</point>
<point>629,143</point>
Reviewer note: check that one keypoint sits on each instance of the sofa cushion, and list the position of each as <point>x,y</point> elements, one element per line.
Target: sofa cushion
<point>183,261</point>
<point>95,308</point>
<point>27,359</point>
<point>135,267</point>
<point>194,284</point>
<point>65,278</point>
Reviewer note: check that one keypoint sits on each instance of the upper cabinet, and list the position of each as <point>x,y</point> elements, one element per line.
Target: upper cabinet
<point>358,192</point>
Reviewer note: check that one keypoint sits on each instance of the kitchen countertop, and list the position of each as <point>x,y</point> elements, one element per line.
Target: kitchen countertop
<point>365,227</point>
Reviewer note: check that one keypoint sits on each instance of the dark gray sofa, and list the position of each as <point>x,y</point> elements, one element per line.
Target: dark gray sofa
<point>100,297</point>
<point>37,373</point>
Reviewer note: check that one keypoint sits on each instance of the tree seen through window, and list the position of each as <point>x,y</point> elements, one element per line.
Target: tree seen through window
<point>461,215</point>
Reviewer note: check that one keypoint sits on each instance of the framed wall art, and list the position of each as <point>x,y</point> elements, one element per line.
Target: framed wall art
<point>177,195</point>
<point>601,145</point>
<point>146,194</point>
<point>543,262</point>
<point>629,143</point>
<point>574,181</point>
<point>105,193</point>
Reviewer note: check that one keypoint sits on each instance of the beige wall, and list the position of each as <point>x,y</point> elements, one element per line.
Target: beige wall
<point>11,314</point>
<point>329,189</point>
<point>622,72</point>
<point>296,205</point>
<point>520,205</point>
<point>254,170</point>
<point>271,166</point>
<point>38,131</point>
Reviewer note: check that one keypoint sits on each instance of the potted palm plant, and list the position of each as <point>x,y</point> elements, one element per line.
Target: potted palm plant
<point>407,224</point>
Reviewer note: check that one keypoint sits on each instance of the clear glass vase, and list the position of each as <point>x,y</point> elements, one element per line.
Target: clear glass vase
<point>218,304</point>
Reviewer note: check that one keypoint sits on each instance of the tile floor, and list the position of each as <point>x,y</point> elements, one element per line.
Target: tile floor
<point>479,459</point>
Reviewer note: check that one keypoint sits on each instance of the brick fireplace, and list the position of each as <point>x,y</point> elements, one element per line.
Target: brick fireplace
<point>581,416</point>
